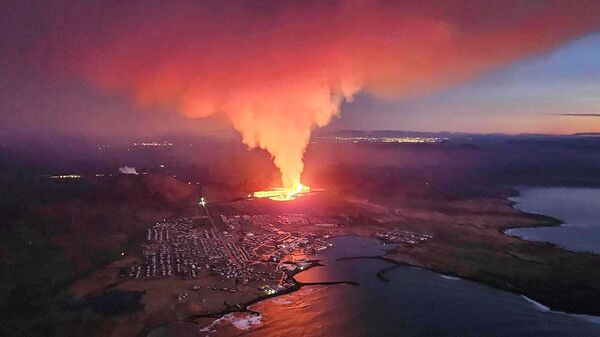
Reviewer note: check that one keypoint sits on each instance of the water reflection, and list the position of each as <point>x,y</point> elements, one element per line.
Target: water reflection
<point>414,303</point>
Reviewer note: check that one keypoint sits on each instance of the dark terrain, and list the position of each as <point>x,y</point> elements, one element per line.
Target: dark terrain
<point>56,231</point>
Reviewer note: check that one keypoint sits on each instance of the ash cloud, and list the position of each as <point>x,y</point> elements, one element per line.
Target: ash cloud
<point>277,70</point>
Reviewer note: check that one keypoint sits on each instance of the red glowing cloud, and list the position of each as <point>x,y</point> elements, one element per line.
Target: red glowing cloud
<point>276,71</point>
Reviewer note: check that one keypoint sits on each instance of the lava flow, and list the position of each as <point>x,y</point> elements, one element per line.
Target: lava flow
<point>282,193</point>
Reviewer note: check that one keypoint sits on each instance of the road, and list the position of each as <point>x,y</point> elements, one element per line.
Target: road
<point>220,235</point>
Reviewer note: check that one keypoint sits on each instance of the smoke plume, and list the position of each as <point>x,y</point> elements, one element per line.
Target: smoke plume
<point>277,70</point>
<point>128,170</point>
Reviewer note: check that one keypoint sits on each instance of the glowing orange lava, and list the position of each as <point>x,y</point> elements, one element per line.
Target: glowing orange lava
<point>283,193</point>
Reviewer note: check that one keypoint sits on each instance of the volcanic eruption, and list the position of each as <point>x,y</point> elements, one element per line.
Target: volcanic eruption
<point>278,69</point>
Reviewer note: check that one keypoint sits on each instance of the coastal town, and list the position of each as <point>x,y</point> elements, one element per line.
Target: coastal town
<point>228,255</point>
<point>402,237</point>
<point>243,248</point>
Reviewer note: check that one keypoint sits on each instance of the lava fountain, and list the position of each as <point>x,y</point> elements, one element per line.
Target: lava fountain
<point>283,193</point>
<point>277,70</point>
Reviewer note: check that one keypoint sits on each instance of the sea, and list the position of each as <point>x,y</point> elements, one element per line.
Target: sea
<point>578,208</point>
<point>414,302</point>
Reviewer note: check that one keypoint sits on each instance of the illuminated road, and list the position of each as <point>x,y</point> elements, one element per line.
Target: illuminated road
<point>219,234</point>
<point>268,256</point>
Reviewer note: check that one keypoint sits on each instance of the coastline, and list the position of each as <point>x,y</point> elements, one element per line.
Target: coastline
<point>429,261</point>
<point>539,306</point>
<point>547,221</point>
<point>456,277</point>
<point>245,307</point>
<point>574,309</point>
<point>551,222</point>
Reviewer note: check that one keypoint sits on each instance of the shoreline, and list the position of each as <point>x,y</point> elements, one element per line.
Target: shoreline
<point>381,275</point>
<point>544,221</point>
<point>541,307</point>
<point>496,283</point>
<point>503,287</point>
<point>552,222</point>
<point>456,277</point>
<point>244,307</point>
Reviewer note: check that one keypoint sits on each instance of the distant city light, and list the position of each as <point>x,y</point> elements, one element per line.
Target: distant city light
<point>153,144</point>
<point>66,176</point>
<point>366,139</point>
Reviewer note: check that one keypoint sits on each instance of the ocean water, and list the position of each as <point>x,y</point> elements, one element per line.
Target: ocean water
<point>578,208</point>
<point>414,302</point>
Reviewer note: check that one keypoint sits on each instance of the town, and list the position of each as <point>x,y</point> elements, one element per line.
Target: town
<point>246,248</point>
<point>403,237</point>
